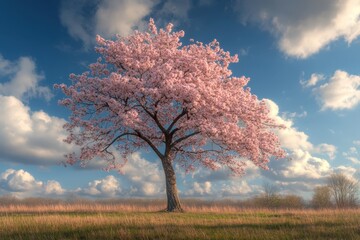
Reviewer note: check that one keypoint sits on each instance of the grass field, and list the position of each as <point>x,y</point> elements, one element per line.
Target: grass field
<point>136,221</point>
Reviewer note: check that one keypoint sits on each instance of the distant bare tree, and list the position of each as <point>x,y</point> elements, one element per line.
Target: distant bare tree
<point>271,196</point>
<point>344,190</point>
<point>270,190</point>
<point>321,197</point>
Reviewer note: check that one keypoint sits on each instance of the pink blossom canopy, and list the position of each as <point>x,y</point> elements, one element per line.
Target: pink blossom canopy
<point>182,102</point>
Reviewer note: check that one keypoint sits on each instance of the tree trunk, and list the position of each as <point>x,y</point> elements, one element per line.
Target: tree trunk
<point>173,202</point>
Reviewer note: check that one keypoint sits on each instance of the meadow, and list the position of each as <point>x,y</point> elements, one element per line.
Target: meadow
<point>139,219</point>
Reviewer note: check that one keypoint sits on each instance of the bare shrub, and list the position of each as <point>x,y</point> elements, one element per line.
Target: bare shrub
<point>321,197</point>
<point>343,190</point>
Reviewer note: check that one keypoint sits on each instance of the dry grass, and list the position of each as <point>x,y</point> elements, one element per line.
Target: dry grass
<point>142,220</point>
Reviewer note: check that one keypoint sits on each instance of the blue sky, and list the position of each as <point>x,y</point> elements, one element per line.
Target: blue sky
<point>302,57</point>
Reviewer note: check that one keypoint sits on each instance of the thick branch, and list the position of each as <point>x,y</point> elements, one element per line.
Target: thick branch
<point>161,156</point>
<point>184,138</point>
<point>154,116</point>
<point>115,139</point>
<point>137,134</point>
<point>183,113</point>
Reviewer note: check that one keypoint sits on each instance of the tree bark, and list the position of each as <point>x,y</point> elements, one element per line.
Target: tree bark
<point>173,201</point>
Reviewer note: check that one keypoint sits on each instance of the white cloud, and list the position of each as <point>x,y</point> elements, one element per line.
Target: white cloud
<point>314,79</point>
<point>304,27</point>
<point>199,189</point>
<point>143,177</point>
<point>109,17</point>
<point>120,17</point>
<point>302,165</point>
<point>328,149</point>
<point>356,142</point>
<point>139,176</point>
<point>19,181</point>
<point>235,188</point>
<point>72,16</point>
<point>342,91</point>
<point>23,79</point>
<point>31,137</point>
<point>352,155</point>
<point>354,160</point>
<point>290,137</point>
<point>53,187</point>
<point>349,171</point>
<point>107,187</point>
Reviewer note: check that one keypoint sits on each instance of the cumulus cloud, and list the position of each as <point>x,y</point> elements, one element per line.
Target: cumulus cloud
<point>236,188</point>
<point>107,187</point>
<point>53,187</point>
<point>143,177</point>
<point>356,142</point>
<point>227,187</point>
<point>22,79</point>
<point>21,183</point>
<point>204,182</point>
<point>199,189</point>
<point>290,137</point>
<point>139,178</point>
<point>305,27</point>
<point>302,164</point>
<point>341,91</point>
<point>107,18</point>
<point>30,137</point>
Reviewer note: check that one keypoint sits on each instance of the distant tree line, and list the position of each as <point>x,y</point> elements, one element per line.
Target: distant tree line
<point>339,191</point>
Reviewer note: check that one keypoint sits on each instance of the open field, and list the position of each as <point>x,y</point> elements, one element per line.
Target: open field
<point>143,221</point>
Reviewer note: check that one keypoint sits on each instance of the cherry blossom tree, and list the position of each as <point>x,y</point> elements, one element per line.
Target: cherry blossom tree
<point>182,102</point>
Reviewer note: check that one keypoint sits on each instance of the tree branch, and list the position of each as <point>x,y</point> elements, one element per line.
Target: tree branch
<point>198,152</point>
<point>115,139</point>
<point>183,113</point>
<point>184,138</point>
<point>161,156</point>
<point>154,116</point>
